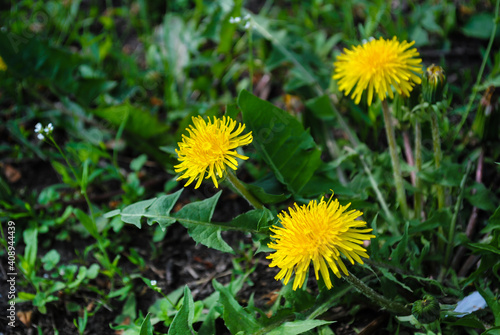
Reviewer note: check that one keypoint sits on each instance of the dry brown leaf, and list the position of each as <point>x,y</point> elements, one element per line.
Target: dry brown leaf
<point>25,317</point>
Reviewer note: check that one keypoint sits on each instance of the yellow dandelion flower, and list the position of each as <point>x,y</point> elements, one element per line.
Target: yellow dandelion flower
<point>209,148</point>
<point>378,66</point>
<point>321,233</point>
<point>3,66</point>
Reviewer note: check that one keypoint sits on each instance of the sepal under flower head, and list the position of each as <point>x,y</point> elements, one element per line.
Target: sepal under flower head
<point>209,148</point>
<point>377,67</point>
<point>318,232</point>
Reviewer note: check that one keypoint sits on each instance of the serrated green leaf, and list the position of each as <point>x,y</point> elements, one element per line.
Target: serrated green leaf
<point>236,318</point>
<point>133,213</point>
<point>162,207</point>
<point>298,327</point>
<point>196,218</point>
<point>281,140</point>
<point>146,327</point>
<point>183,320</point>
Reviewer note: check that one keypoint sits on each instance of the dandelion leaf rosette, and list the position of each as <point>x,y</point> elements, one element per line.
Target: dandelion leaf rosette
<point>281,140</point>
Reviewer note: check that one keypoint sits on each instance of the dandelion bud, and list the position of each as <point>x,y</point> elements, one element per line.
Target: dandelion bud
<point>433,84</point>
<point>426,310</point>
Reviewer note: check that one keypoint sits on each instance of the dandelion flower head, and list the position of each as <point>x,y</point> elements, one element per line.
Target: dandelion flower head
<point>318,232</point>
<point>209,147</point>
<point>377,67</point>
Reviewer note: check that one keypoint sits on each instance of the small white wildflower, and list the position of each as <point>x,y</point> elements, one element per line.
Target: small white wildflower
<point>40,137</point>
<point>49,128</point>
<point>38,127</point>
<point>153,282</point>
<point>246,17</point>
<point>247,25</point>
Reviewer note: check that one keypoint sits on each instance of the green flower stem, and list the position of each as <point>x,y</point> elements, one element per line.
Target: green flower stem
<point>438,155</point>
<point>393,223</point>
<point>85,195</point>
<point>418,166</point>
<point>390,305</point>
<point>396,168</point>
<point>458,204</point>
<point>242,190</point>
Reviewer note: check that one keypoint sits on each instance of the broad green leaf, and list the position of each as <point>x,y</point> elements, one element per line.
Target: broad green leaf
<point>196,218</point>
<point>133,213</point>
<point>183,321</point>
<point>236,318</point>
<point>298,327</point>
<point>281,140</point>
<point>146,327</point>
